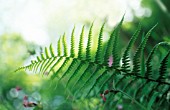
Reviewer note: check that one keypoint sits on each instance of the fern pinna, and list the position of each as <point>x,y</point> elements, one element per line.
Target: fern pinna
<point>105,73</point>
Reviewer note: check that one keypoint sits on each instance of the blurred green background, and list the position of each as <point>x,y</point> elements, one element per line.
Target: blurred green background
<point>27,26</point>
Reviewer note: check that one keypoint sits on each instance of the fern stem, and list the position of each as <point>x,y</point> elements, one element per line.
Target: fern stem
<point>133,100</point>
<point>111,69</point>
<point>142,77</point>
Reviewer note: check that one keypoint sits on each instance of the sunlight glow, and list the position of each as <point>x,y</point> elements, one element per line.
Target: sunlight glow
<point>41,21</point>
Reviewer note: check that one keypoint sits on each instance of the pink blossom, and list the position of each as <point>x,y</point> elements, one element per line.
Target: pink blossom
<point>110,61</point>
<point>103,97</point>
<point>26,103</point>
<point>17,88</point>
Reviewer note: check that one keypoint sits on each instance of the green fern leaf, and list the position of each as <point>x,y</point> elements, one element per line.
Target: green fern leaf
<point>81,46</point>
<point>70,68</point>
<point>59,47</point>
<point>91,79</point>
<point>88,74</point>
<point>65,45</point>
<point>47,53</point>
<point>81,68</point>
<point>35,69</point>
<point>62,66</point>
<point>109,77</point>
<point>150,58</point>
<point>84,74</point>
<point>42,56</point>
<point>152,99</point>
<point>44,64</point>
<point>125,58</point>
<point>56,62</point>
<point>139,90</point>
<point>38,58</point>
<point>136,59</point>
<point>108,51</point>
<point>163,68</point>
<point>47,66</point>
<point>116,57</point>
<point>110,45</point>
<point>93,83</point>
<point>73,43</point>
<point>89,45</point>
<point>163,97</point>
<point>52,51</point>
<point>99,52</point>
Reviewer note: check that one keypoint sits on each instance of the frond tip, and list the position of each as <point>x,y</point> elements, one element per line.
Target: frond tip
<point>99,58</point>
<point>125,58</point>
<point>89,45</point>
<point>136,59</point>
<point>163,68</point>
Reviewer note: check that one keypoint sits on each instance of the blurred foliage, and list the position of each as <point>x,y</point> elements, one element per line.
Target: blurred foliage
<point>14,86</point>
<point>160,13</point>
<point>14,52</point>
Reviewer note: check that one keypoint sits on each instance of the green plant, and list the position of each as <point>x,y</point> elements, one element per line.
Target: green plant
<point>94,72</point>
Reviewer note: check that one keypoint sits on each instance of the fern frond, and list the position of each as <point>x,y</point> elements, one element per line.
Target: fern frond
<point>59,47</point>
<point>91,79</point>
<point>37,65</point>
<point>51,58</point>
<point>87,75</point>
<point>99,58</point>
<point>111,47</point>
<point>125,58</point>
<point>81,44</point>
<point>152,99</point>
<point>52,51</point>
<point>42,62</point>
<point>100,81</point>
<point>115,54</point>
<point>42,56</point>
<point>164,96</point>
<point>48,65</point>
<point>136,59</point>
<point>73,43</point>
<point>47,53</point>
<point>32,65</point>
<point>79,69</point>
<point>89,45</point>
<point>139,90</point>
<point>48,59</point>
<point>38,58</point>
<point>150,58</point>
<point>65,45</point>
<point>62,66</point>
<point>101,78</point>
<point>106,80</point>
<point>93,83</point>
<point>163,68</point>
<point>70,68</point>
<point>83,77</point>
